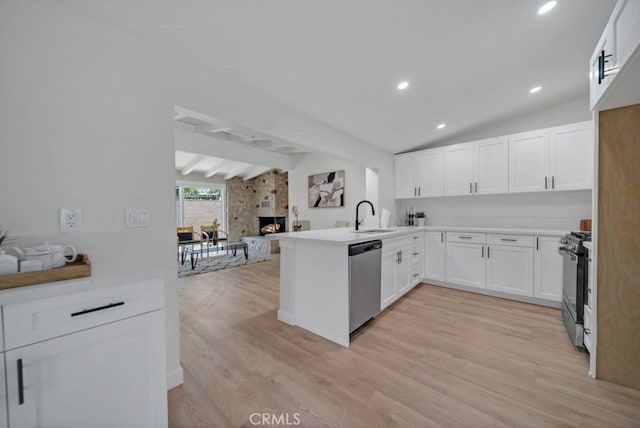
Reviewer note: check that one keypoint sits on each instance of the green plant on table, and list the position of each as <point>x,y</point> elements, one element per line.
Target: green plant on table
<point>420,214</point>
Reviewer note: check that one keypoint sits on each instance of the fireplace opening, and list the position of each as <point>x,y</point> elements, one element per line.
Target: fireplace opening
<point>267,225</point>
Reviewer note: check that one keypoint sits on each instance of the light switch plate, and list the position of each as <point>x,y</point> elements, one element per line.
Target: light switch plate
<point>136,218</point>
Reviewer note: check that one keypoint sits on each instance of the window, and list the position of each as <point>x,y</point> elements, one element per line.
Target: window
<point>199,205</point>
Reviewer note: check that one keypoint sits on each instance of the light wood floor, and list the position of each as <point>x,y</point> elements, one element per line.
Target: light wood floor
<point>437,357</point>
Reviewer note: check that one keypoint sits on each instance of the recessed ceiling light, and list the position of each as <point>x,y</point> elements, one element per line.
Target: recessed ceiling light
<point>403,85</point>
<point>547,7</point>
<point>442,125</point>
<point>534,90</point>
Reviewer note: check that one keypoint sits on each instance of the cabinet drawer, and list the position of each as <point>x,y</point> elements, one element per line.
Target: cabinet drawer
<point>415,274</point>
<point>415,253</point>
<point>511,240</point>
<point>475,238</point>
<point>587,327</point>
<point>42,319</point>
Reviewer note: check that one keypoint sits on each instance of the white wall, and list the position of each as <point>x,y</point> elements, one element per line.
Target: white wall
<point>323,218</point>
<point>86,121</point>
<point>547,210</point>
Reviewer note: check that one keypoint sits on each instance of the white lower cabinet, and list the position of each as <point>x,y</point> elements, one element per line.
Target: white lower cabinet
<point>465,264</point>
<point>401,267</point>
<point>4,422</point>
<point>435,249</point>
<point>108,372</point>
<point>510,269</point>
<point>547,270</point>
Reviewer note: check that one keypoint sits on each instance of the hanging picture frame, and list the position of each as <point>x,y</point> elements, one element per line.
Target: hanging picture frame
<point>326,190</point>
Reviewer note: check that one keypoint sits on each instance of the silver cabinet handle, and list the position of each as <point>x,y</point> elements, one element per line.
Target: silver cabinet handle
<point>441,237</point>
<point>465,237</point>
<point>419,191</point>
<point>415,254</point>
<point>488,254</point>
<point>416,237</point>
<point>553,181</point>
<point>470,187</point>
<point>545,182</point>
<point>476,187</point>
<point>415,275</point>
<point>414,192</point>
<point>508,240</point>
<point>587,331</point>
<point>537,243</point>
<point>482,252</point>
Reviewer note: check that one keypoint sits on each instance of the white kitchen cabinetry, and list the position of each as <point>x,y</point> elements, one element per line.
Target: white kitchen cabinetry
<point>458,169</point>
<point>510,264</point>
<point>429,173</point>
<point>405,184</point>
<point>547,269</point>
<point>3,396</point>
<point>465,262</point>
<point>435,255</point>
<point>491,166</point>
<point>529,161</point>
<point>399,265</point>
<point>419,174</point>
<point>416,265</point>
<point>559,158</point>
<point>92,358</point>
<point>571,156</point>
<point>619,44</point>
<point>476,168</point>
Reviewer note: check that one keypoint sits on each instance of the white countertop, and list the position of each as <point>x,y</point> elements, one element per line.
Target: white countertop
<point>347,235</point>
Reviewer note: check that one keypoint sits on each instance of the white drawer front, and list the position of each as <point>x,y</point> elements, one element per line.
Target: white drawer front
<point>475,238</point>
<point>42,319</point>
<point>512,240</point>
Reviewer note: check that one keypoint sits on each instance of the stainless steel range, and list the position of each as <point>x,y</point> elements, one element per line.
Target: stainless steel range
<point>574,284</point>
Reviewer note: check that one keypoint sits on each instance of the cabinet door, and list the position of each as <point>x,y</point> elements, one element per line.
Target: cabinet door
<point>458,169</point>
<point>435,249</point>
<point>529,161</point>
<point>465,264</point>
<point>3,396</point>
<point>405,176</point>
<point>547,271</point>
<point>597,86</point>
<point>510,269</point>
<point>109,376</point>
<point>492,166</point>
<point>626,30</point>
<point>388,280</point>
<point>429,173</point>
<point>571,156</point>
<point>403,276</point>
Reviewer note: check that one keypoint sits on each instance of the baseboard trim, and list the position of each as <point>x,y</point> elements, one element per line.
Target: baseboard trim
<point>525,299</point>
<point>175,378</point>
<point>286,317</point>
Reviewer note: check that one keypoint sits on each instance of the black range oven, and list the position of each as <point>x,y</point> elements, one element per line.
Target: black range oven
<point>574,284</point>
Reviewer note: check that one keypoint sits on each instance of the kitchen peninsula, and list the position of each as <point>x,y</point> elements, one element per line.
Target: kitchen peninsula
<point>517,264</point>
<point>314,277</point>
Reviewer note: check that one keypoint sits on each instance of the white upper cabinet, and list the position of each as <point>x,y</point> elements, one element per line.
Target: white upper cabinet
<point>616,48</point>
<point>419,174</point>
<point>429,173</point>
<point>529,161</point>
<point>559,158</point>
<point>458,169</point>
<point>571,156</point>
<point>405,176</point>
<point>491,166</point>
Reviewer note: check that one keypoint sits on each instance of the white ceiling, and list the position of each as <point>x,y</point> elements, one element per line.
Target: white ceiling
<point>469,62</point>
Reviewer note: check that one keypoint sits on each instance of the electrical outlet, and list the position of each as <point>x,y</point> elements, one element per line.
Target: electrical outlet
<point>70,220</point>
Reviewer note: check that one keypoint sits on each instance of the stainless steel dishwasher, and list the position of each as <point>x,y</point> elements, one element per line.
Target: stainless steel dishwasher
<point>364,282</point>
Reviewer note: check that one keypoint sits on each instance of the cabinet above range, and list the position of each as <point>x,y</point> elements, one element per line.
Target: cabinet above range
<point>550,159</point>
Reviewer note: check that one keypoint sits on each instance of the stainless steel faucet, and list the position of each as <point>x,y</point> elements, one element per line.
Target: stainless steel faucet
<point>373,211</point>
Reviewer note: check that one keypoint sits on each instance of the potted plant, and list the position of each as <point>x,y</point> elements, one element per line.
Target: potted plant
<point>420,218</point>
